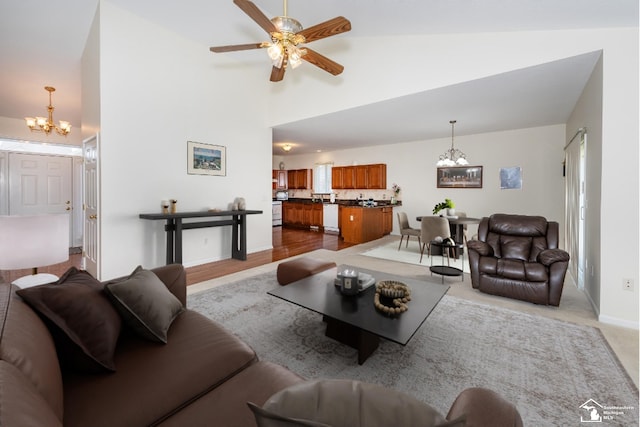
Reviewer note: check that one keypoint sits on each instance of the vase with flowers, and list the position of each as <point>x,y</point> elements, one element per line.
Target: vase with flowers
<point>396,191</point>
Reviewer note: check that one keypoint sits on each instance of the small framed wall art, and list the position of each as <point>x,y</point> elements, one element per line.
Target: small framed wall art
<point>206,159</point>
<point>511,178</point>
<point>460,177</point>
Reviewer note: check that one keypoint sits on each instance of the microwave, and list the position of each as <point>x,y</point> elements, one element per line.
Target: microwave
<point>282,195</point>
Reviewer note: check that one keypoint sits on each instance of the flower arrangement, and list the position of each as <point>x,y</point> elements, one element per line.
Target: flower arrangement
<point>396,188</point>
<point>447,204</point>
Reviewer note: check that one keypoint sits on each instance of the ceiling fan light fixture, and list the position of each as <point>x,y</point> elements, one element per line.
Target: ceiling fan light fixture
<point>287,25</point>
<point>295,56</point>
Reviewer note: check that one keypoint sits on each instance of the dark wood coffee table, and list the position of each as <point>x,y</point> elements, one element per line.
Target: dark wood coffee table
<point>353,320</point>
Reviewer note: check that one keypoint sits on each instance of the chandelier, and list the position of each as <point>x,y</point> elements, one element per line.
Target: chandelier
<point>45,124</point>
<point>452,156</point>
<point>284,44</point>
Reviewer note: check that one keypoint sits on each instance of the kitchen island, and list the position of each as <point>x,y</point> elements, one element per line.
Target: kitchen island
<point>360,224</point>
<point>356,223</point>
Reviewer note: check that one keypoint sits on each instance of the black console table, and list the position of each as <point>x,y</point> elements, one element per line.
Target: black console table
<point>174,227</point>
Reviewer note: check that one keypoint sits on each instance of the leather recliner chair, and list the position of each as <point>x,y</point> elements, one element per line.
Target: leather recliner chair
<point>517,256</point>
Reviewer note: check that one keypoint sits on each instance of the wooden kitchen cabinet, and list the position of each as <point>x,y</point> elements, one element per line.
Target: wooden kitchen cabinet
<point>343,177</point>
<point>377,176</point>
<point>361,176</point>
<point>301,215</point>
<point>299,179</point>
<point>280,179</point>
<point>387,220</point>
<point>365,177</point>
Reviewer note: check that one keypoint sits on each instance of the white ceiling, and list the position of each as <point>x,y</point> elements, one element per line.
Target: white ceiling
<point>41,44</point>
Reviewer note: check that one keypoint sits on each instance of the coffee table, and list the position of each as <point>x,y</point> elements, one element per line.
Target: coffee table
<point>353,320</point>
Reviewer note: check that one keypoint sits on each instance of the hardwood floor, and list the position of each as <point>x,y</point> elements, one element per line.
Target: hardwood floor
<point>286,243</point>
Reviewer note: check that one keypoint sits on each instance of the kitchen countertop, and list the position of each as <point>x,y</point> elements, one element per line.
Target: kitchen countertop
<point>350,203</point>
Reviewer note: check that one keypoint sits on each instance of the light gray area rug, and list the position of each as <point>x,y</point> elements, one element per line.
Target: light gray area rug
<point>410,254</point>
<point>547,368</point>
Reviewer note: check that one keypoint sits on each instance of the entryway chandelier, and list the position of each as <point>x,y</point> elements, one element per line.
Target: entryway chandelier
<point>452,156</point>
<point>45,124</point>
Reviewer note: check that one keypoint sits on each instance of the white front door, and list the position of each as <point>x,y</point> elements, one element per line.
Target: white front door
<point>91,245</point>
<point>39,184</point>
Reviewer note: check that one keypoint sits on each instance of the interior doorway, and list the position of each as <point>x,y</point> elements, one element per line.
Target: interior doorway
<point>575,205</point>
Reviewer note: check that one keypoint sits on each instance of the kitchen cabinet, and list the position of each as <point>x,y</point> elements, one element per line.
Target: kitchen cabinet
<point>361,176</point>
<point>387,220</point>
<point>377,176</point>
<point>365,177</point>
<point>301,214</point>
<point>279,179</point>
<point>299,179</point>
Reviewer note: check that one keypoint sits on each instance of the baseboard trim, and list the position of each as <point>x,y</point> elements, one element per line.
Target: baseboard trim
<point>618,322</point>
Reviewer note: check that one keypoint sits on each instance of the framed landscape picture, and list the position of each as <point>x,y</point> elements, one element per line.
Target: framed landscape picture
<point>460,177</point>
<point>206,159</point>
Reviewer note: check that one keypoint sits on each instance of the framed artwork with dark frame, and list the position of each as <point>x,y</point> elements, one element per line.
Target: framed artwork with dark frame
<point>460,177</point>
<point>206,159</point>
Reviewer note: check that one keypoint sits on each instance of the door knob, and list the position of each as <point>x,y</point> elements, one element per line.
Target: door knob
<point>68,208</point>
<point>93,216</point>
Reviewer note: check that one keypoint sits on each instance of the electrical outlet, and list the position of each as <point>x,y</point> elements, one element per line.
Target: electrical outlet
<point>627,284</point>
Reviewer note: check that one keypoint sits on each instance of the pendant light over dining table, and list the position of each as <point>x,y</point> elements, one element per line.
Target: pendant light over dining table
<point>453,156</point>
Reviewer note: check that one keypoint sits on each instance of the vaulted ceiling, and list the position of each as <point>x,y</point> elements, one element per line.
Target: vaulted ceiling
<point>42,44</point>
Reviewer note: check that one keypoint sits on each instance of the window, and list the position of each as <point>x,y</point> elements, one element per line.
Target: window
<point>322,178</point>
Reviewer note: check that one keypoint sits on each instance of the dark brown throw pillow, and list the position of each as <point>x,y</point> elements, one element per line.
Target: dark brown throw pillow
<point>82,321</point>
<point>145,304</point>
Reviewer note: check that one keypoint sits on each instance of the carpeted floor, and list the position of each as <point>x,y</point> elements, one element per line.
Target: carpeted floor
<point>410,254</point>
<point>548,368</point>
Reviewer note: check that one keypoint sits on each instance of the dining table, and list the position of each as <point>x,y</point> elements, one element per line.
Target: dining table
<point>456,225</point>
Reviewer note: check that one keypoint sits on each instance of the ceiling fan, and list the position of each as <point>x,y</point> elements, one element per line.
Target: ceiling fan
<point>287,37</point>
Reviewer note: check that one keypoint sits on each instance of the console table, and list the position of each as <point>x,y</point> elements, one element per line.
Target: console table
<point>174,227</point>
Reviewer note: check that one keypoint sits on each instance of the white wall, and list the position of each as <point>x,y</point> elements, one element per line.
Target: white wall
<point>158,91</point>
<point>413,166</point>
<point>424,62</point>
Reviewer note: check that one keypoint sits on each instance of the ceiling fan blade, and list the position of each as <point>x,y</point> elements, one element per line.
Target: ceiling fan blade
<point>328,28</point>
<point>256,14</point>
<point>235,47</point>
<point>277,74</point>
<point>323,62</point>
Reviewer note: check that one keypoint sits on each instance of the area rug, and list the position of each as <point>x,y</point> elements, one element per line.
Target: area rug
<point>411,255</point>
<point>551,370</point>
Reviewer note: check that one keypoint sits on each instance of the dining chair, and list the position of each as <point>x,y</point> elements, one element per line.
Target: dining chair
<point>432,227</point>
<point>407,230</point>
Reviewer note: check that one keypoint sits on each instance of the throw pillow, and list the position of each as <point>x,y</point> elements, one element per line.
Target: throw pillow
<point>145,304</point>
<point>84,325</point>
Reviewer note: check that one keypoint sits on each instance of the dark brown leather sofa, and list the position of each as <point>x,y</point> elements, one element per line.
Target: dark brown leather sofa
<point>517,256</point>
<point>203,376</point>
